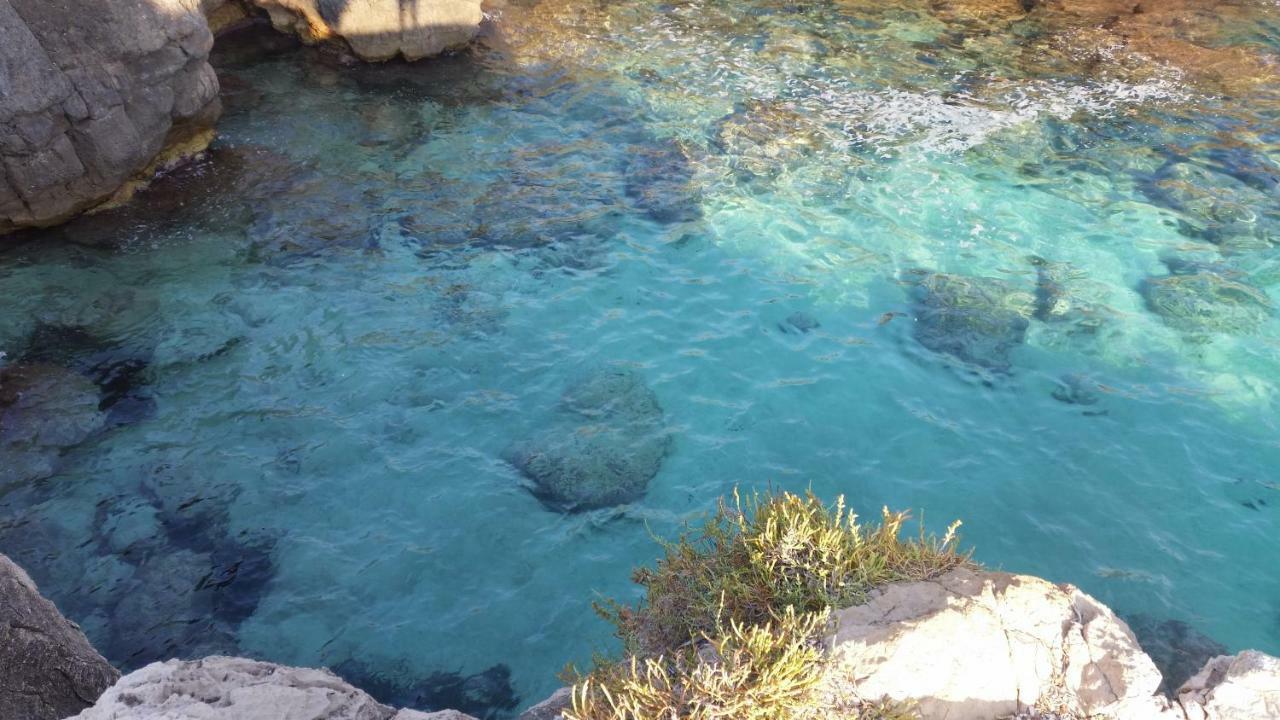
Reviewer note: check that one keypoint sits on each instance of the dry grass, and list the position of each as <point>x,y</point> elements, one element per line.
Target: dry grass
<point>734,612</point>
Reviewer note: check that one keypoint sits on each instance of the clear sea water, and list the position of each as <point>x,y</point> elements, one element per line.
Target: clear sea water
<point>382,278</point>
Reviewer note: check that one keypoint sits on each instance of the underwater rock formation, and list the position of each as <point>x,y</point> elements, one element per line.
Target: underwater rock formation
<point>228,687</point>
<point>1215,206</point>
<point>44,410</point>
<point>977,320</point>
<point>1177,649</point>
<point>49,669</point>
<point>95,94</point>
<point>1203,301</point>
<point>659,179</point>
<point>763,138</point>
<point>484,695</point>
<point>607,441</point>
<point>380,29</point>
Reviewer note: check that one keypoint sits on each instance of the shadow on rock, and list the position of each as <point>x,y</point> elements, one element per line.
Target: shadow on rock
<point>1178,650</point>
<point>487,695</point>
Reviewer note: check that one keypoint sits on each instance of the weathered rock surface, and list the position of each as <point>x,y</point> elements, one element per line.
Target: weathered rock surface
<point>49,669</point>
<point>1236,687</point>
<point>974,645</point>
<point>227,688</point>
<point>551,708</point>
<point>380,29</point>
<point>90,94</point>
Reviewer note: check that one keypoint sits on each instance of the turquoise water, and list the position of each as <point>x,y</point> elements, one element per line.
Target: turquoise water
<point>317,347</point>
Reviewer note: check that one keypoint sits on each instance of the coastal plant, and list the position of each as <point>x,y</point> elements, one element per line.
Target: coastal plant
<point>735,610</point>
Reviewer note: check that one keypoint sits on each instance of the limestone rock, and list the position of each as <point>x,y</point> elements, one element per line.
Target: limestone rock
<point>551,708</point>
<point>380,29</point>
<point>228,688</point>
<point>1237,687</point>
<point>92,93</point>
<point>975,645</point>
<point>50,669</point>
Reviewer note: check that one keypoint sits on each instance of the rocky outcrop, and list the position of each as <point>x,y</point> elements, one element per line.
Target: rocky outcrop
<point>974,645</point>
<point>241,689</point>
<point>95,97</point>
<point>93,94</point>
<point>48,669</point>
<point>605,443</point>
<point>1237,687</point>
<point>380,29</point>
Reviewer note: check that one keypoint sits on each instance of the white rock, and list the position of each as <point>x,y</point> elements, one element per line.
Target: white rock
<point>976,645</point>
<point>1237,687</point>
<point>227,688</point>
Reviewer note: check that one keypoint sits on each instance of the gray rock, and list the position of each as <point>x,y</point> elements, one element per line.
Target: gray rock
<point>552,707</point>
<point>978,320</point>
<point>602,448</point>
<point>380,29</point>
<point>50,669</point>
<point>90,93</point>
<point>44,409</point>
<point>228,688</point>
<point>1177,649</point>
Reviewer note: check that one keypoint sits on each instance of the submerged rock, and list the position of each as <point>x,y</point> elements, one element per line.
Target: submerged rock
<point>978,320</point>
<point>1207,302</point>
<point>659,179</point>
<point>94,92</point>
<point>608,440</point>
<point>485,695</point>
<point>764,138</point>
<point>49,669</point>
<point>1177,649</point>
<point>1214,206</point>
<point>230,688</point>
<point>44,410</point>
<point>1077,389</point>
<point>800,322</point>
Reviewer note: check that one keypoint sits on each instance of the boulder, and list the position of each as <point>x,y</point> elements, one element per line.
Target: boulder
<point>977,320</point>
<point>50,669</point>
<point>380,29</point>
<point>228,688</point>
<point>95,94</point>
<point>975,645</point>
<point>1237,687</point>
<point>607,440</point>
<point>1207,302</point>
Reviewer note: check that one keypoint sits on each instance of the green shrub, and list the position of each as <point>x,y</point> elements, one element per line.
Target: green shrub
<point>734,612</point>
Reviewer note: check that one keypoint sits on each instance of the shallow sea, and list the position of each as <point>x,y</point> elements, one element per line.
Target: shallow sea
<point>328,334</point>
